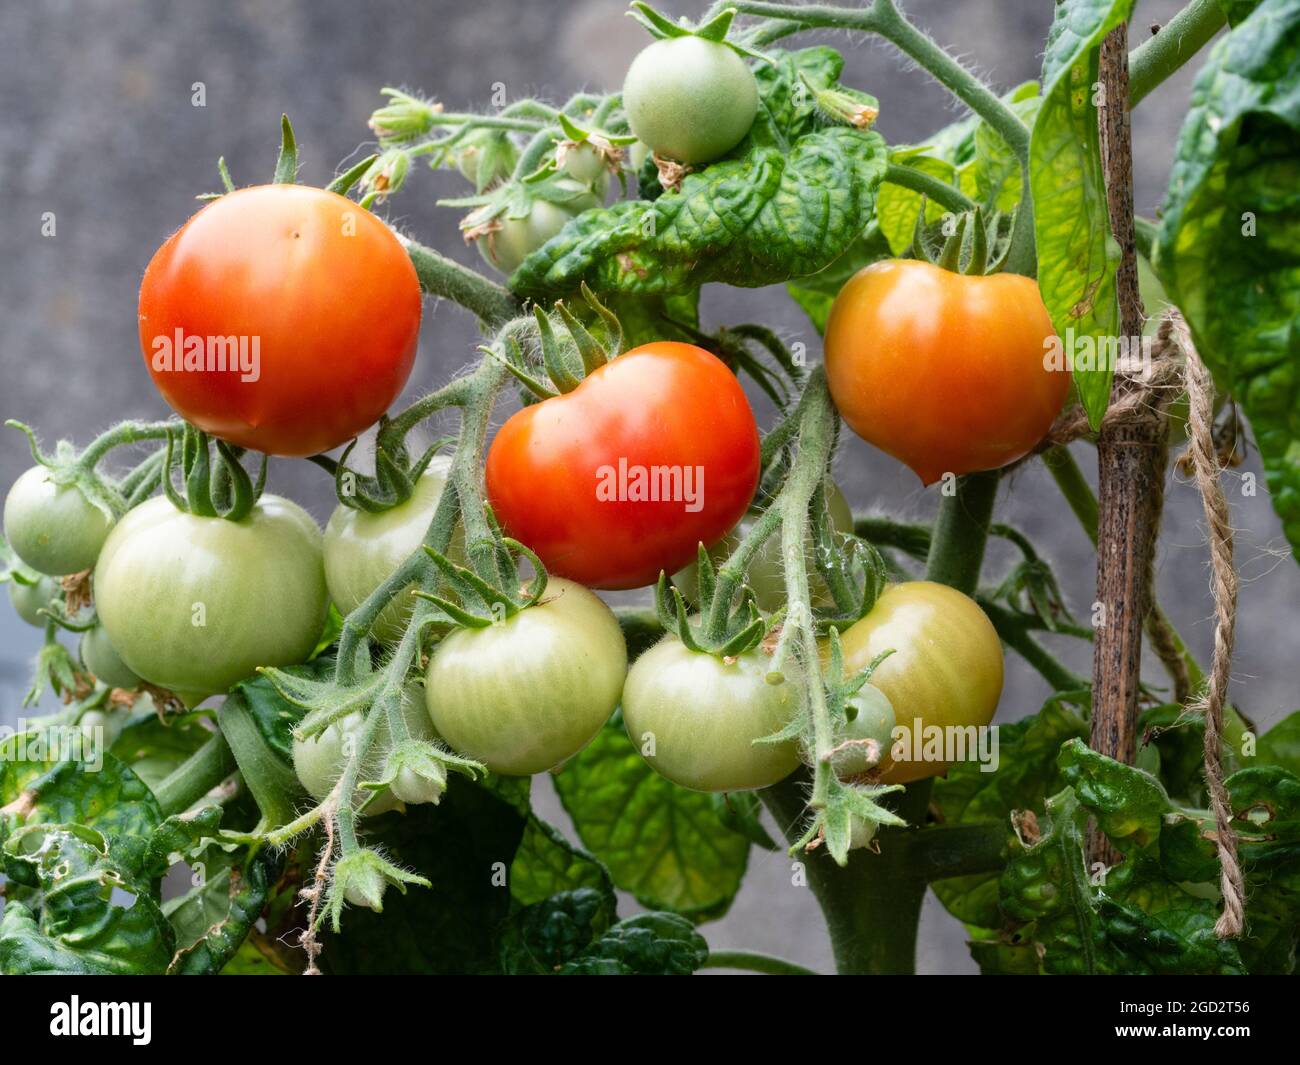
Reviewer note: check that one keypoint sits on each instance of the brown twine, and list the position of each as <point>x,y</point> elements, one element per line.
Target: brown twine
<point>1207,467</point>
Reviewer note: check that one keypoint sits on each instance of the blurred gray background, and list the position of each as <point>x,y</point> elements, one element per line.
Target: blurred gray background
<point>98,127</point>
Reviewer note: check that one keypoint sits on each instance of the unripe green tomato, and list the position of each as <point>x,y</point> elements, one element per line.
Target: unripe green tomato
<point>320,761</point>
<point>53,528</point>
<point>362,550</point>
<point>486,159</point>
<point>588,165</point>
<point>30,599</point>
<point>871,717</point>
<point>100,657</point>
<point>637,153</point>
<point>689,99</point>
<point>195,604</point>
<point>365,888</point>
<point>525,694</point>
<point>517,238</point>
<point>694,717</point>
<point>766,572</point>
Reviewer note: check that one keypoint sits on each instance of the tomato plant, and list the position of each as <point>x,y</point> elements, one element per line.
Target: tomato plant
<point>945,372</point>
<point>651,455</point>
<point>825,678</point>
<point>280,318</point>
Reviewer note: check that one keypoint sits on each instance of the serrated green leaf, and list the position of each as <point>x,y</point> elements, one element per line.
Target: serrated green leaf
<point>663,843</point>
<point>1228,248</point>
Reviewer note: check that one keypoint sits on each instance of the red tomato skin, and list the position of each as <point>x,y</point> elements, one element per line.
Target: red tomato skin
<point>943,371</point>
<point>662,404</point>
<point>323,285</point>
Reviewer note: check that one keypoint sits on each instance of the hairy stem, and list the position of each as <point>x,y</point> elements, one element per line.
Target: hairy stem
<point>440,276</point>
<point>884,19</point>
<point>1178,40</point>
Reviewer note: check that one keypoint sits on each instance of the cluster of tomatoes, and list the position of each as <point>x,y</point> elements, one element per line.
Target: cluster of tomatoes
<point>941,370</point>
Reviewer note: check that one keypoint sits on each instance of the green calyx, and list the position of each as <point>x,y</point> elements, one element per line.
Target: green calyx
<point>742,625</point>
<point>570,348</point>
<point>973,242</point>
<point>395,474</point>
<point>214,487</point>
<point>479,603</point>
<point>716,29</point>
<point>286,170</point>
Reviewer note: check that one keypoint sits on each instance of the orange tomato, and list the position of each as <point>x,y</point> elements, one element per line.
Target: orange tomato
<point>943,371</point>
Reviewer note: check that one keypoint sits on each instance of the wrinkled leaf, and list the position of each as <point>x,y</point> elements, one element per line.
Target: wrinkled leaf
<point>1228,248</point>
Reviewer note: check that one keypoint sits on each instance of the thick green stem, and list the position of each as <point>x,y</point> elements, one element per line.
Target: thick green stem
<point>871,905</point>
<point>928,185</point>
<point>1178,40</point>
<point>196,776</point>
<point>754,962</point>
<point>273,784</point>
<point>961,532</point>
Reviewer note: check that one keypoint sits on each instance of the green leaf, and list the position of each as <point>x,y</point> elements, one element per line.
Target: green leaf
<point>1127,803</point>
<point>1077,256</point>
<point>546,864</point>
<point>1228,248</point>
<point>996,169</point>
<point>1026,774</point>
<point>787,202</point>
<point>663,843</point>
<point>542,937</point>
<point>649,944</point>
<point>152,746</point>
<point>213,920</point>
<point>897,207</point>
<point>1280,745</point>
<point>35,788</point>
<point>1237,11</point>
<point>92,917</point>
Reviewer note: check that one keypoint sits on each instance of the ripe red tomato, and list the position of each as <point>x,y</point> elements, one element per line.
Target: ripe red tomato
<point>943,371</point>
<point>312,299</point>
<point>654,453</point>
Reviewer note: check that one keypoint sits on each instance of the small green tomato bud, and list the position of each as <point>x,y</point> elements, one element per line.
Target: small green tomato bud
<point>362,881</point>
<point>404,118</point>
<point>414,786</point>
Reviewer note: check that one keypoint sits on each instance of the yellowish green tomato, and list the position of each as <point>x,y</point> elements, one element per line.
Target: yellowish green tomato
<point>945,670</point>
<point>195,604</point>
<point>689,99</point>
<point>320,761</point>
